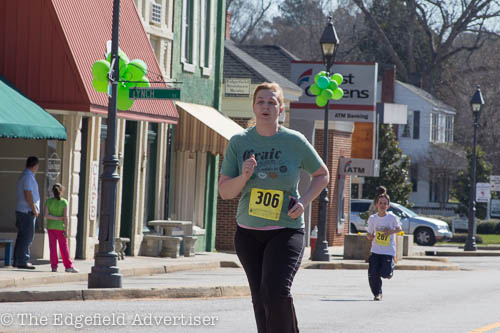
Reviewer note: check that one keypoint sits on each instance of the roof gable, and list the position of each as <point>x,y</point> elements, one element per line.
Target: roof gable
<point>433,101</point>
<point>257,68</point>
<point>274,56</point>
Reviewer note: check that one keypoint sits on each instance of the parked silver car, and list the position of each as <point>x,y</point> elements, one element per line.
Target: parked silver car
<point>425,230</point>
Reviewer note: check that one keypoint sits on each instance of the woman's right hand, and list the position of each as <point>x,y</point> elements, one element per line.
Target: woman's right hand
<point>248,167</point>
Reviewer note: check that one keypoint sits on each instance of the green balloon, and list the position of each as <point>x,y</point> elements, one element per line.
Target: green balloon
<point>315,90</point>
<point>123,61</point>
<point>137,68</point>
<point>130,84</point>
<point>323,82</point>
<point>333,85</point>
<point>126,75</point>
<point>100,70</point>
<point>338,94</point>
<point>317,76</point>
<point>320,101</point>
<point>123,102</point>
<point>327,94</point>
<point>337,77</point>
<point>100,86</point>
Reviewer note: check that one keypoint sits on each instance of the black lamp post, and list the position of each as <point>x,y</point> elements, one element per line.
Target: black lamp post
<point>106,273</point>
<point>329,43</point>
<point>476,103</point>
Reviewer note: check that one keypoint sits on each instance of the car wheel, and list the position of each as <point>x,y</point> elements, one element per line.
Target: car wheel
<point>424,236</point>
<point>354,230</point>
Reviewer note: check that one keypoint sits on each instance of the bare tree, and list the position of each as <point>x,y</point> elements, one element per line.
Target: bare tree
<point>246,16</point>
<point>443,162</point>
<point>443,21</point>
<point>458,84</point>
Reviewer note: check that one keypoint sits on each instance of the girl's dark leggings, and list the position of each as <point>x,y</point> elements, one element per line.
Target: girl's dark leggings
<point>380,266</point>
<point>270,259</point>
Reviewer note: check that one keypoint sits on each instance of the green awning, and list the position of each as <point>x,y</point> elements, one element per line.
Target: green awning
<point>21,118</point>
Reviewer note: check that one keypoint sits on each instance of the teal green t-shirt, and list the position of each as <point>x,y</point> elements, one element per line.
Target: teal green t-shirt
<point>56,208</point>
<point>279,160</point>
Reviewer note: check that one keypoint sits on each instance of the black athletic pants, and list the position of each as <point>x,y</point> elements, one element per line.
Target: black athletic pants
<point>270,259</point>
<point>380,266</point>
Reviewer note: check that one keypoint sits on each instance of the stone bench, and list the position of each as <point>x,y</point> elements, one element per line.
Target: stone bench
<point>170,245</point>
<point>167,228</point>
<point>121,246</point>
<point>189,246</point>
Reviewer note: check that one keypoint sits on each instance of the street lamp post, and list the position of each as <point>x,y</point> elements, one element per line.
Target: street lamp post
<point>106,273</point>
<point>476,103</point>
<point>329,42</point>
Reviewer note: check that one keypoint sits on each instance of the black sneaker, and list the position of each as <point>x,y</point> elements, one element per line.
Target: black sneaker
<point>26,266</point>
<point>377,297</point>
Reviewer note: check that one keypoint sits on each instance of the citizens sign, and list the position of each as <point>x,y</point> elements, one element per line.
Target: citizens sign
<point>358,103</point>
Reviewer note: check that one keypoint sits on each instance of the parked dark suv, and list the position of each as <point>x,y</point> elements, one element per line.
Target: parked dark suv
<point>425,230</point>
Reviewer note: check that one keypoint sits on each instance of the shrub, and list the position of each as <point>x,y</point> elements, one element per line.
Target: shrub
<point>486,228</point>
<point>462,238</point>
<point>489,227</point>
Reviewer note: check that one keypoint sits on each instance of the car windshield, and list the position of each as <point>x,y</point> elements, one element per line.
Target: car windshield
<point>408,212</point>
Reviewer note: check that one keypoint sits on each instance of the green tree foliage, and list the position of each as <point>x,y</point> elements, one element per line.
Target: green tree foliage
<point>462,187</point>
<point>394,169</point>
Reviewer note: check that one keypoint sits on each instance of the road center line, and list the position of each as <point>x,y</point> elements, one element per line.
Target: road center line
<point>486,328</point>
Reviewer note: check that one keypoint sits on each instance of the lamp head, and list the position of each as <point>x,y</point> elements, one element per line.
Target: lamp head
<point>329,42</point>
<point>477,101</point>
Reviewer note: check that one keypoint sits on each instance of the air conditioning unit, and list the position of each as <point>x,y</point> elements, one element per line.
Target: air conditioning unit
<point>155,13</point>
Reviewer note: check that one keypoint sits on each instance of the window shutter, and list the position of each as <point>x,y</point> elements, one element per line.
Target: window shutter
<point>416,124</point>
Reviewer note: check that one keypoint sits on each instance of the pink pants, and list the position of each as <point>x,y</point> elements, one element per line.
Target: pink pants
<point>56,236</point>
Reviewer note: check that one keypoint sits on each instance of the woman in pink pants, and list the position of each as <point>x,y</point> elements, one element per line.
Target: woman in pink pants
<point>56,213</point>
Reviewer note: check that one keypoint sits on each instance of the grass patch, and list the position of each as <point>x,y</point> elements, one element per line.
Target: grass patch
<point>487,239</point>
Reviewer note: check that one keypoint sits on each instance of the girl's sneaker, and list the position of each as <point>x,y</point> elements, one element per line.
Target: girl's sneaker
<point>54,269</point>
<point>72,270</point>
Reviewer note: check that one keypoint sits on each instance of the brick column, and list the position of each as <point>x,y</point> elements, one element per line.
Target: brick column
<point>339,144</point>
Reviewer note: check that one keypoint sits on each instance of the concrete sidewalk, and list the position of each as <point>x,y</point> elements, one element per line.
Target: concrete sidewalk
<point>204,275</point>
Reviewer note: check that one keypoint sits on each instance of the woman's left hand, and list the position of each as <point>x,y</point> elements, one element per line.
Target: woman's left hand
<point>296,210</point>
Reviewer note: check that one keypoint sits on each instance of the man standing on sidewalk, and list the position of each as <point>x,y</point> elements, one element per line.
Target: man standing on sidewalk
<point>27,209</point>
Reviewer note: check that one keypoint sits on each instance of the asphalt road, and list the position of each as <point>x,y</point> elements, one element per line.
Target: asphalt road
<point>326,301</point>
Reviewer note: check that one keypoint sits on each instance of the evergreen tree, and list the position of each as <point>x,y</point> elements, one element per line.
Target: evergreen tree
<point>394,169</point>
<point>462,187</point>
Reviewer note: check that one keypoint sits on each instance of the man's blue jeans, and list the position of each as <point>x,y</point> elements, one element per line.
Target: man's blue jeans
<point>25,223</point>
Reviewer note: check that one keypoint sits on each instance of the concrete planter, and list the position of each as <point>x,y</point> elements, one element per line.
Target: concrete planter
<point>358,246</point>
<point>408,245</point>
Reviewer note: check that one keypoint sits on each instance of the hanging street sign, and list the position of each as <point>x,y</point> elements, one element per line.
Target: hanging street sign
<point>495,183</point>
<point>359,167</point>
<point>483,192</point>
<point>155,93</point>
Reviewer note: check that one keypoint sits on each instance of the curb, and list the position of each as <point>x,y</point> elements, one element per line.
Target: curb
<point>462,253</point>
<point>114,293</point>
<point>21,282</point>
<point>400,266</point>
